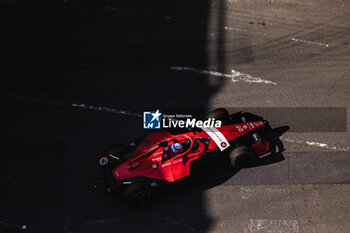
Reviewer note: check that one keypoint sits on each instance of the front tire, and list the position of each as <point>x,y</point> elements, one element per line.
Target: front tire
<point>242,156</point>
<point>137,194</point>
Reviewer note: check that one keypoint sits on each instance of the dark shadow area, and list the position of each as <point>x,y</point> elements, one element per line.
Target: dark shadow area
<point>102,53</point>
<point>108,53</point>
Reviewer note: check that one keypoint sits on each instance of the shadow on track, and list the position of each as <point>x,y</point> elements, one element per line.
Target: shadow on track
<point>104,53</point>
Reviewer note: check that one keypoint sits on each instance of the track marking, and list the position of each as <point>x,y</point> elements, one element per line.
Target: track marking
<point>310,42</point>
<point>120,10</point>
<point>272,226</point>
<point>316,144</point>
<point>173,221</point>
<point>247,192</point>
<point>102,221</point>
<point>106,109</point>
<point>153,16</point>
<point>236,76</point>
<point>129,113</point>
<point>9,225</point>
<point>235,29</point>
<point>80,105</point>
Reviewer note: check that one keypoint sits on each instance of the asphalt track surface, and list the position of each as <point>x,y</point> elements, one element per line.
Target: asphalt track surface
<point>71,68</point>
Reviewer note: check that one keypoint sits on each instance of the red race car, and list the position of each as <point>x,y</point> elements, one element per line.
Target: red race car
<point>138,168</point>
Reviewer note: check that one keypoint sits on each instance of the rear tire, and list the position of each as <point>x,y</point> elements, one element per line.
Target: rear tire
<point>242,156</point>
<point>220,114</point>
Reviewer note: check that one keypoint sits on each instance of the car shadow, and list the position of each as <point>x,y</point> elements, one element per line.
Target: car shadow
<point>220,170</point>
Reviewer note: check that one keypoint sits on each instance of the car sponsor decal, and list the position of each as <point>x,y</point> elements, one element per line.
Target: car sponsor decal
<point>166,164</point>
<point>251,126</point>
<point>218,137</point>
<point>157,159</point>
<point>154,184</point>
<point>103,161</point>
<point>172,162</point>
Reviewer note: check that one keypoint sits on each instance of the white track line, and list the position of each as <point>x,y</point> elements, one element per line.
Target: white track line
<point>22,227</point>
<point>272,226</point>
<point>106,109</point>
<point>129,113</point>
<point>310,42</point>
<point>316,144</point>
<point>173,221</point>
<point>246,192</point>
<point>80,105</point>
<point>235,29</point>
<point>236,76</point>
<point>102,221</point>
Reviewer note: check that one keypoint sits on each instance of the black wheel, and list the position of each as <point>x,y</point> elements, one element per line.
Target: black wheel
<point>220,114</point>
<point>137,194</point>
<point>242,156</point>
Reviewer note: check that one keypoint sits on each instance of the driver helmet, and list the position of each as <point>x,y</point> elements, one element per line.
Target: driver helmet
<point>176,147</point>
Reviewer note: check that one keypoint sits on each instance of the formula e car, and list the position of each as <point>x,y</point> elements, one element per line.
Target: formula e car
<point>141,166</point>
